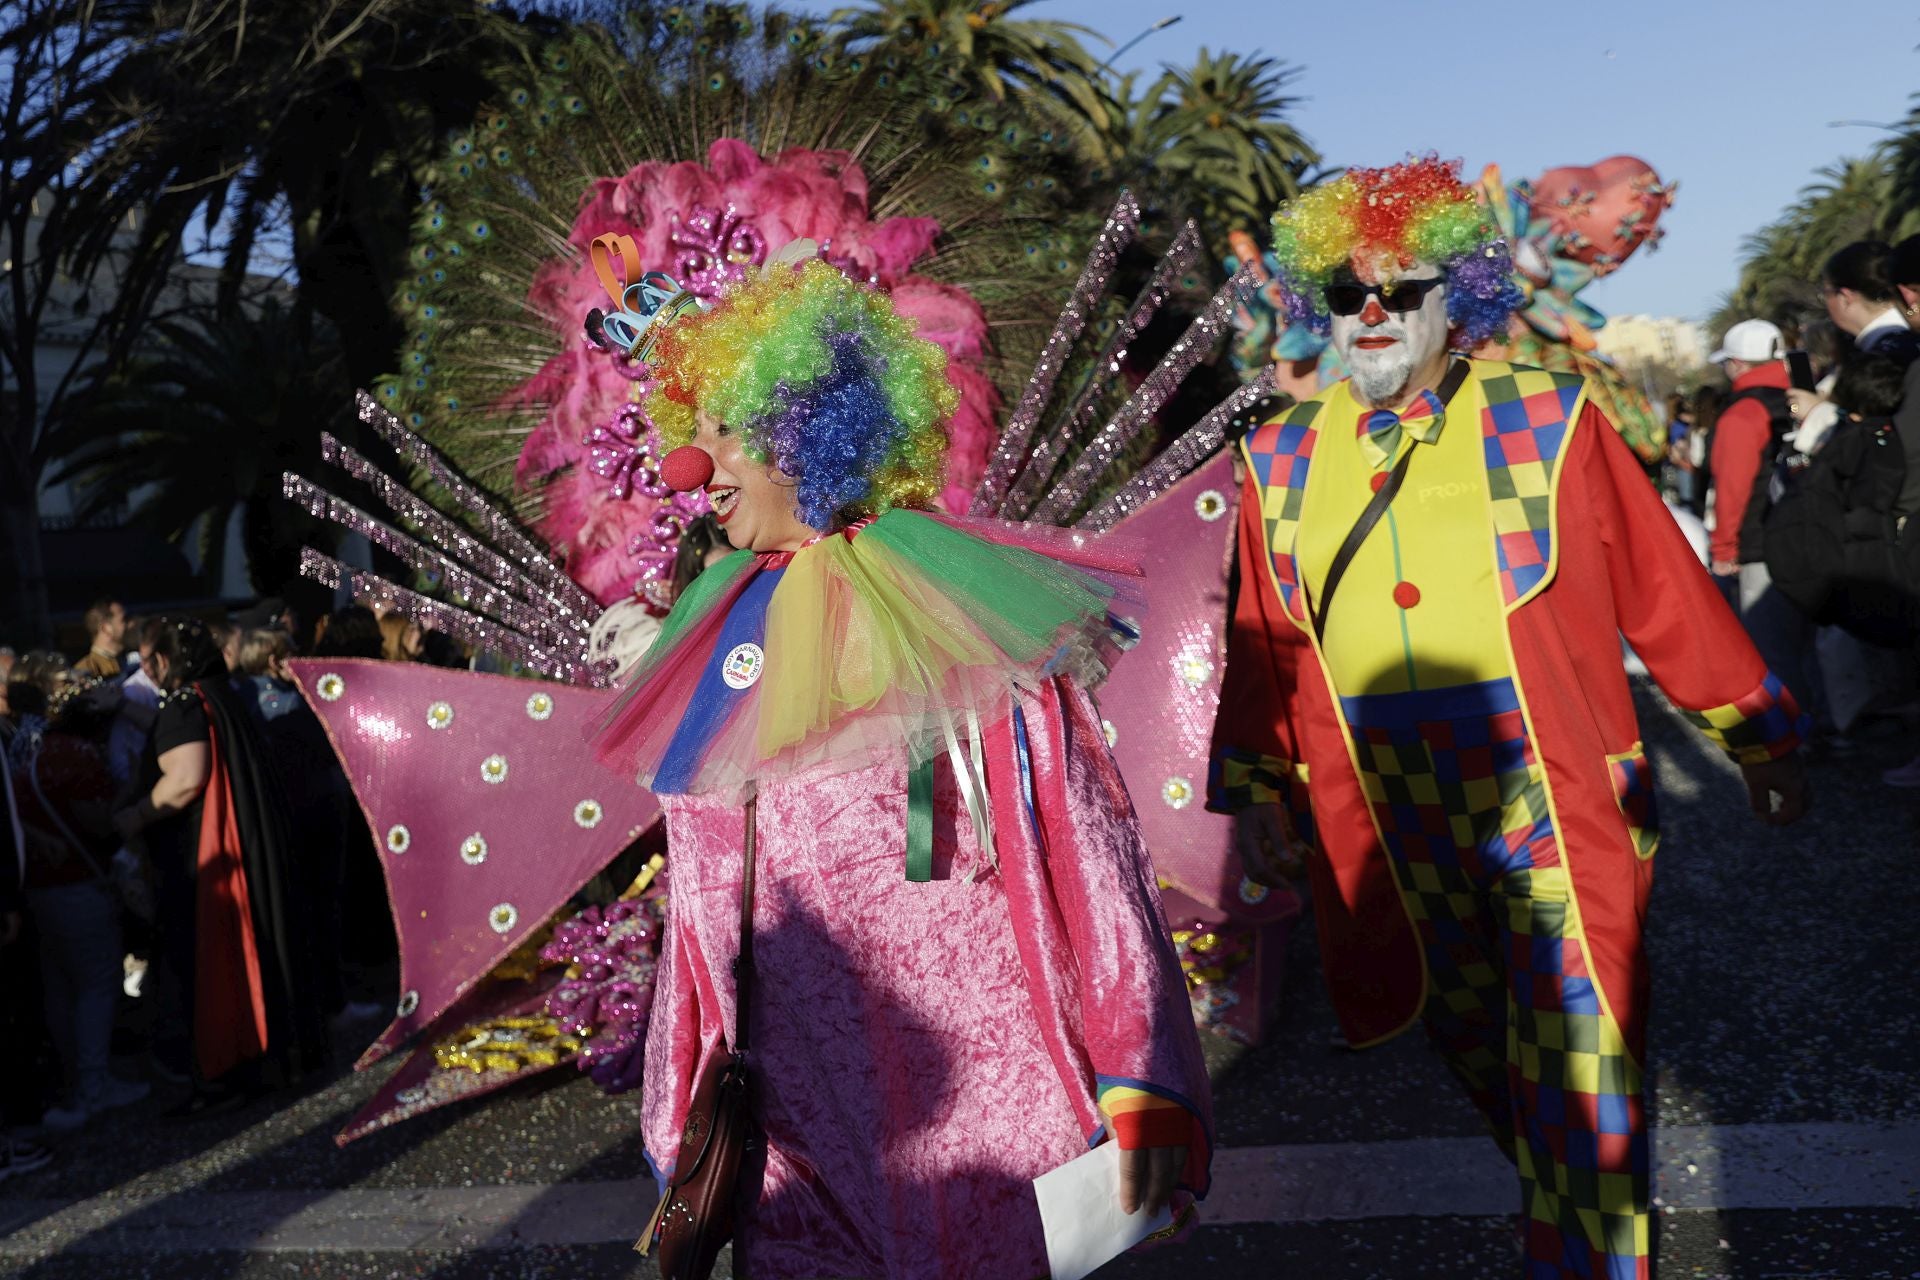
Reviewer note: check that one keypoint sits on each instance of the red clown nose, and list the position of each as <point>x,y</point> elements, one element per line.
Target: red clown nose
<point>686,469</point>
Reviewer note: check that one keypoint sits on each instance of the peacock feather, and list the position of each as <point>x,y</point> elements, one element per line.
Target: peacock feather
<point>497,216</point>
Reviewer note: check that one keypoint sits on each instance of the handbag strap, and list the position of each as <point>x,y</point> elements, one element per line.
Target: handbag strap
<point>743,960</point>
<point>46,807</point>
<point>1376,508</point>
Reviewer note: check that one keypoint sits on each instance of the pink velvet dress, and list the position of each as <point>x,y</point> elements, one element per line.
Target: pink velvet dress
<point>920,1052</point>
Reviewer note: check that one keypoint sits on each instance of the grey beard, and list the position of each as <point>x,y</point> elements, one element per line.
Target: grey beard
<point>1381,380</point>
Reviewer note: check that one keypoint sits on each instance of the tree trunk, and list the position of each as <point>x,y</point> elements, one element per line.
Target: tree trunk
<point>24,616</point>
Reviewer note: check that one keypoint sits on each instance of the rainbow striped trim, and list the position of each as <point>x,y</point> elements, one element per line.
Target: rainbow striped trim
<point>1142,1114</point>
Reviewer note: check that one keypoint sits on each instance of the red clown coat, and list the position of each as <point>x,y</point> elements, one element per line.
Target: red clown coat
<point>1599,556</point>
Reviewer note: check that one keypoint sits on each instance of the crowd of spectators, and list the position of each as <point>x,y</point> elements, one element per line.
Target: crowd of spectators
<point>1806,470</point>
<point>188,894</point>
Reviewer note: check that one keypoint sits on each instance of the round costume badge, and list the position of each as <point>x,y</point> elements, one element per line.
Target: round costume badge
<point>743,665</point>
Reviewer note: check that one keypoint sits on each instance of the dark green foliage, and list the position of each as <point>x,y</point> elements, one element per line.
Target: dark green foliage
<point>1876,196</point>
<point>1211,141</point>
<point>662,85</point>
<point>205,424</point>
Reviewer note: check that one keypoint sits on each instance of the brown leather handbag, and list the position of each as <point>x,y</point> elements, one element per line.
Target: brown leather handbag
<point>695,1215</point>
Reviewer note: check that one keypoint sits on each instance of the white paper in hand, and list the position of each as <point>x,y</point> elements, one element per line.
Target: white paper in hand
<point>1080,1212</point>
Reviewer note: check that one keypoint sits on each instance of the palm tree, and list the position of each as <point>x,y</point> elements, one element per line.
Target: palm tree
<point>204,428</point>
<point>1037,63</point>
<point>311,128</point>
<point>1215,136</point>
<point>1209,141</point>
<point>1902,217</point>
<point>1782,262</point>
<point>139,131</point>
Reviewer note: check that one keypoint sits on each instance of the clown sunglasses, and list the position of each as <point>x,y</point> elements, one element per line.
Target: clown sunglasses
<point>1400,297</point>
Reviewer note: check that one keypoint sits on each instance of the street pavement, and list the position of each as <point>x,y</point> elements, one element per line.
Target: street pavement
<point>1785,1061</point>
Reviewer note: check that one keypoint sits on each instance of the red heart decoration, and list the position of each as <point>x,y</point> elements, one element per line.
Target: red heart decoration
<point>1603,212</point>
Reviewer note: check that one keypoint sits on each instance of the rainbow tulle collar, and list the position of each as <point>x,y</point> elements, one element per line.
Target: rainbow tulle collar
<point>884,642</point>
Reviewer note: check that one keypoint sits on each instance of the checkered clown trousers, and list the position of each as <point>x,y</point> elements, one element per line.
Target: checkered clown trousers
<point>1511,1003</point>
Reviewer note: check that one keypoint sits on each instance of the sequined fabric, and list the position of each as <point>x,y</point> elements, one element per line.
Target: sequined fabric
<point>922,1051</point>
<point>488,814</point>
<point>1235,971</point>
<point>1160,700</point>
<point>423,1083</point>
<point>514,599</point>
<point>1017,442</point>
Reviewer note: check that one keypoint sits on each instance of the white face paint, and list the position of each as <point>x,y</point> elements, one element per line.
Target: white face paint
<point>1384,349</point>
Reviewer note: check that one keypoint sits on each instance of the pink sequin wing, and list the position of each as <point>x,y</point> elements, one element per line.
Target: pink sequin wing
<point>422,1084</point>
<point>1158,704</point>
<point>486,805</point>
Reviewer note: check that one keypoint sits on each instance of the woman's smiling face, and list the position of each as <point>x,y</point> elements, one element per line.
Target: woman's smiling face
<point>753,502</point>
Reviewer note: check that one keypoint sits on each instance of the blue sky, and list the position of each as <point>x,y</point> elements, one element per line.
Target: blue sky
<point>1731,98</point>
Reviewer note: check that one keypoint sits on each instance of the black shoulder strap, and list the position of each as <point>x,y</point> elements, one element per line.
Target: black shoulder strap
<point>743,960</point>
<point>1779,409</point>
<point>1382,499</point>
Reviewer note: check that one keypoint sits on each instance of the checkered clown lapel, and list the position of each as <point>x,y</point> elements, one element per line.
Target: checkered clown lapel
<point>1524,427</point>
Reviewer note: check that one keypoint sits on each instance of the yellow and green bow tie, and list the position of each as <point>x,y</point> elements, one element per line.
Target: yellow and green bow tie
<point>1380,431</point>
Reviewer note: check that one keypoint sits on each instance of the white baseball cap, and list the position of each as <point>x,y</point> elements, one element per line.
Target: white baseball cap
<point>1754,341</point>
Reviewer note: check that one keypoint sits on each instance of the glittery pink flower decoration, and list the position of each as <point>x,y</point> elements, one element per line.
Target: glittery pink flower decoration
<point>615,446</point>
<point>611,954</point>
<point>707,224</point>
<point>712,249</point>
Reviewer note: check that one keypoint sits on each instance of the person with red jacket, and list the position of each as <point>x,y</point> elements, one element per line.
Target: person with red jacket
<point>1746,441</point>
<point>1448,746</point>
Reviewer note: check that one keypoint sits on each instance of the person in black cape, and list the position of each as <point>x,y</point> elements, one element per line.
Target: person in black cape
<point>249,985</point>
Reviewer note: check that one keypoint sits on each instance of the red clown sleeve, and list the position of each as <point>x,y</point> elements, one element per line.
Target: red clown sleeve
<point>1256,755</point>
<point>1668,608</point>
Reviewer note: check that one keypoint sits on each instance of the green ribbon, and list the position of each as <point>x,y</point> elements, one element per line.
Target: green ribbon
<point>920,822</point>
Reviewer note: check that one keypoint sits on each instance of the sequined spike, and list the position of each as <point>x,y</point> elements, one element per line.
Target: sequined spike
<point>499,527</point>
<point>1137,415</point>
<point>1077,422</point>
<point>1198,443</point>
<point>533,622</point>
<point>440,616</point>
<point>1011,453</point>
<point>453,538</point>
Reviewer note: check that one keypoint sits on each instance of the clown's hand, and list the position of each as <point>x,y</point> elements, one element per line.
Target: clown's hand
<point>1148,1175</point>
<point>1271,852</point>
<point>1777,789</point>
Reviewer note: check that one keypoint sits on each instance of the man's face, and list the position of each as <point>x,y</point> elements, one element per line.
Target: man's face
<point>1385,348</point>
<point>115,628</point>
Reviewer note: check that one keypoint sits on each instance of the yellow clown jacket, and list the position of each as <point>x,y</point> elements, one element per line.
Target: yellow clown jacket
<point>1525,541</point>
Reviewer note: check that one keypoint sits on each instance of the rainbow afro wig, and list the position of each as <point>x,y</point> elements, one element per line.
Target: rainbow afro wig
<point>825,380</point>
<point>1378,223</point>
